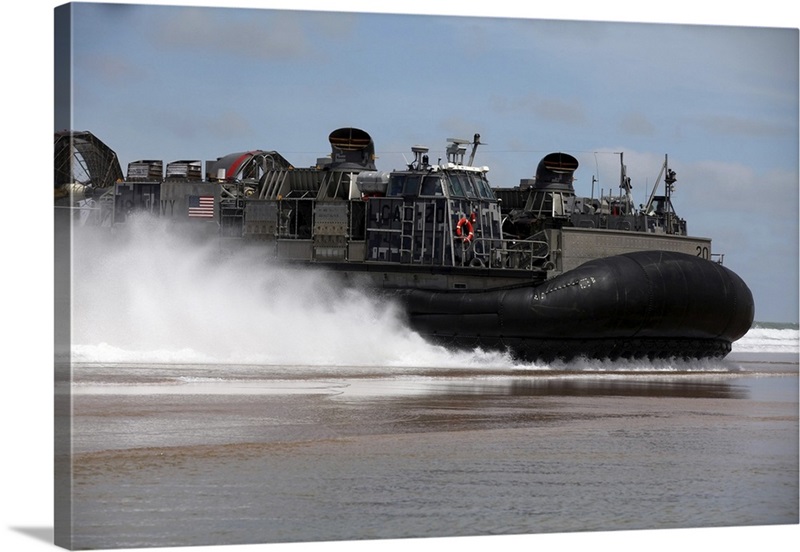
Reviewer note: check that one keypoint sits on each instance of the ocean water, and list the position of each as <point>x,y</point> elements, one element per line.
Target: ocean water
<point>218,400</point>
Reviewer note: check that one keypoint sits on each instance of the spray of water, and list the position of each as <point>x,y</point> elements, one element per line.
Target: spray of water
<point>152,295</point>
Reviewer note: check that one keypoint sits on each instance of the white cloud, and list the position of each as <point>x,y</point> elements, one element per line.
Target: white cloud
<point>637,123</point>
<point>249,34</point>
<point>739,190</point>
<point>563,110</point>
<point>116,70</point>
<point>747,126</point>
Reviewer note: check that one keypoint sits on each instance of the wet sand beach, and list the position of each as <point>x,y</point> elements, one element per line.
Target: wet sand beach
<point>199,455</point>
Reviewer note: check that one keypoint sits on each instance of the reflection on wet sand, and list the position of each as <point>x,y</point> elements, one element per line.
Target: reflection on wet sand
<point>277,454</point>
<point>603,386</point>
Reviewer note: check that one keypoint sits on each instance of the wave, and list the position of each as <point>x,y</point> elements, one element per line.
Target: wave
<point>776,325</point>
<point>769,338</point>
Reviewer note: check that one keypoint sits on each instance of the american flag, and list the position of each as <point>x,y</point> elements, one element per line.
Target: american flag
<point>201,206</point>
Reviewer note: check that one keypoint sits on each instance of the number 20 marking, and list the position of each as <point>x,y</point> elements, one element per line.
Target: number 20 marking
<point>702,251</point>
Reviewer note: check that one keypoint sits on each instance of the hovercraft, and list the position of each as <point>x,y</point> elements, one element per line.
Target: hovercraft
<point>534,270</point>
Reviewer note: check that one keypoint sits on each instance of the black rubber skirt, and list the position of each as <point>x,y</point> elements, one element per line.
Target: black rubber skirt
<point>655,304</point>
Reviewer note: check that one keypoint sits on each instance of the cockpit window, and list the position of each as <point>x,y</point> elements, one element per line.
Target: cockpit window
<point>396,184</point>
<point>482,186</point>
<point>431,186</point>
<point>455,185</point>
<point>411,186</point>
<point>468,185</point>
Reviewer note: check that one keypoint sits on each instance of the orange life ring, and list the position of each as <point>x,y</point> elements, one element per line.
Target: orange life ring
<point>460,230</point>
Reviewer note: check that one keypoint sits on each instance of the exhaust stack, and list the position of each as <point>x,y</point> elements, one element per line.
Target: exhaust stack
<point>554,173</point>
<point>352,148</point>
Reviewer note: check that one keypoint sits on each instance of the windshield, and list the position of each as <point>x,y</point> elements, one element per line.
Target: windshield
<point>431,186</point>
<point>482,186</point>
<point>455,185</point>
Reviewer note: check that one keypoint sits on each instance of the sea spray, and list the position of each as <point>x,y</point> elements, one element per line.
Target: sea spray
<point>150,294</point>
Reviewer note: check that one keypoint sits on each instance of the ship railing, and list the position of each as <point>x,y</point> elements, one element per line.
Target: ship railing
<point>509,253</point>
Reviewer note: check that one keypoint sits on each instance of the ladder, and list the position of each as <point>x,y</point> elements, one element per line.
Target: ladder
<point>407,221</point>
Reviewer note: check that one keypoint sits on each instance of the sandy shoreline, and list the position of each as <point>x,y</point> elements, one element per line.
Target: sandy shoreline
<point>345,454</point>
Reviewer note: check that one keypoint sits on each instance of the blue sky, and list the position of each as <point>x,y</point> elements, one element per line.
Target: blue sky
<point>177,82</point>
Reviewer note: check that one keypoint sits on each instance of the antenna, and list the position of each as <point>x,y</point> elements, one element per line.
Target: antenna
<point>625,182</point>
<point>455,151</point>
<point>655,186</point>
<point>420,157</point>
<point>476,141</point>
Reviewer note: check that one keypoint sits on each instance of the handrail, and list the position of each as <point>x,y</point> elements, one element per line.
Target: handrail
<point>508,253</point>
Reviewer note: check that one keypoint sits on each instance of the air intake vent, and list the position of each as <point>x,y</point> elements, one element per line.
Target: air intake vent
<point>555,171</point>
<point>351,148</point>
